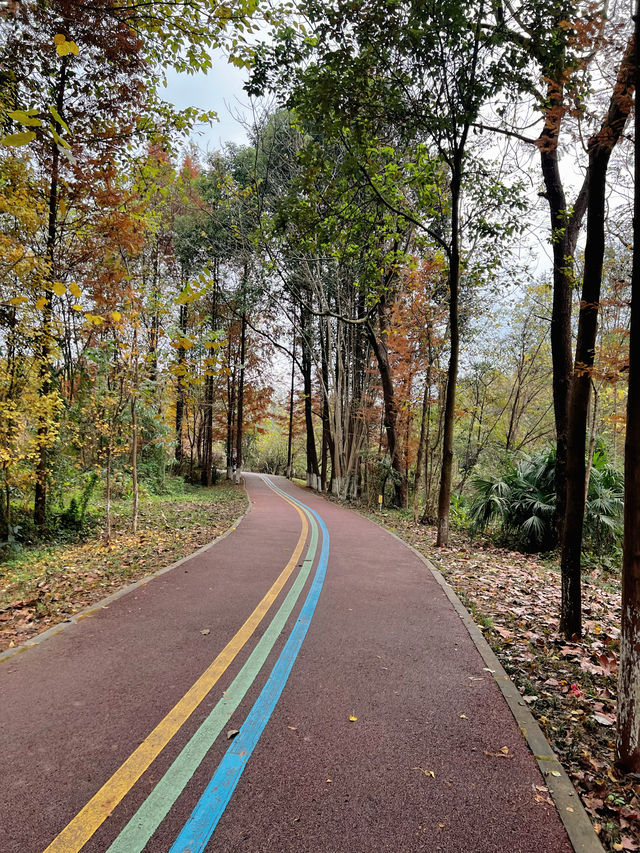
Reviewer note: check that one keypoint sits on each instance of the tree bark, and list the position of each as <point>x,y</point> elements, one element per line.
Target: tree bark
<point>180,391</point>
<point>628,730</point>
<point>380,351</point>
<point>134,464</point>
<point>313,472</point>
<point>444,497</point>
<point>291,393</point>
<point>42,465</point>
<point>422,442</point>
<point>243,335</point>
<point>600,147</point>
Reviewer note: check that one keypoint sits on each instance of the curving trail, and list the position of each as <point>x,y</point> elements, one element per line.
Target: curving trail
<point>303,685</point>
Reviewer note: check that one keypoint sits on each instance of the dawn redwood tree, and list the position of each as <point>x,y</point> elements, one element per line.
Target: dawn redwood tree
<point>67,72</point>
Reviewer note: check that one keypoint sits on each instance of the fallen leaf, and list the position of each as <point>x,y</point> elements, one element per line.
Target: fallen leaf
<point>205,631</point>
<point>232,733</point>
<point>352,719</point>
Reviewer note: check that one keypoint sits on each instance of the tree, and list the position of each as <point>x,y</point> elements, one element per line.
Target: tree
<point>628,730</point>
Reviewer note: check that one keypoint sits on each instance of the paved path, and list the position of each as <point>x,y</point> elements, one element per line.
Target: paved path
<point>114,731</point>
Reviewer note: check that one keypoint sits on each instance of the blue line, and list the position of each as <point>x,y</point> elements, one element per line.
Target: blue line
<point>199,827</point>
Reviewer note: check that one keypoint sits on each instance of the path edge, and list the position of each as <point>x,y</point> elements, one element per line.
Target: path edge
<point>572,813</point>
<point>568,804</point>
<point>120,593</point>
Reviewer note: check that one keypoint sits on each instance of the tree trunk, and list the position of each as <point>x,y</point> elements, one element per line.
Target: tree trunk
<point>42,465</point>
<point>379,346</point>
<point>180,391</point>
<point>422,441</point>
<point>628,732</point>
<point>313,472</point>
<point>444,497</point>
<point>600,147</point>
<point>243,335</point>
<point>290,437</point>
<point>108,494</point>
<point>134,463</point>
<point>592,442</point>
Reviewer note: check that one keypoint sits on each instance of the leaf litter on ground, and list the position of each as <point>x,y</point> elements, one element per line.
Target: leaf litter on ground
<point>46,585</point>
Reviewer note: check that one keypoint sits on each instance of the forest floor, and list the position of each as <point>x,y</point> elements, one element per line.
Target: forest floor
<point>570,687</point>
<point>43,585</point>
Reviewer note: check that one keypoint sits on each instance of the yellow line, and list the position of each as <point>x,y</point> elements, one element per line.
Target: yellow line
<point>76,834</point>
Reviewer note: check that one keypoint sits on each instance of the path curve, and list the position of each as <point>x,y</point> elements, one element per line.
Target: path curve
<point>367,719</point>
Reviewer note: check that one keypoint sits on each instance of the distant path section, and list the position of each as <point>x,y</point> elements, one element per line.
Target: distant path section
<point>303,685</point>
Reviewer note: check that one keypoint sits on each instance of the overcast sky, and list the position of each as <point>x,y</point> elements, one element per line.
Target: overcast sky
<point>219,90</point>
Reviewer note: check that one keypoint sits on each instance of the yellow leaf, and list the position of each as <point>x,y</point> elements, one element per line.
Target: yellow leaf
<point>73,47</point>
<point>77,307</point>
<point>17,300</point>
<point>59,38</point>
<point>115,316</point>
<point>58,288</point>
<point>352,719</point>
<point>40,303</point>
<point>22,138</point>
<point>63,49</point>
<point>75,290</point>
<point>24,118</point>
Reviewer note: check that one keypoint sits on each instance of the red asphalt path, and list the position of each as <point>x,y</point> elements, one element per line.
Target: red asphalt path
<point>384,645</point>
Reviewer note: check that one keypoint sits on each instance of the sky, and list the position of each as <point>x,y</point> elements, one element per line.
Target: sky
<point>219,90</point>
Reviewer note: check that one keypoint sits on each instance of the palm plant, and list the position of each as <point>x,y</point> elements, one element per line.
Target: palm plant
<point>520,503</point>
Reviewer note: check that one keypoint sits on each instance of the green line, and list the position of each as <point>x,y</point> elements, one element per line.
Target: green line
<point>135,835</point>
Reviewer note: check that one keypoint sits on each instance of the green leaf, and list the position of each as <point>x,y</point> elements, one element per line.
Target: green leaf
<point>54,112</point>
<point>59,140</point>
<point>17,139</point>
<point>24,118</point>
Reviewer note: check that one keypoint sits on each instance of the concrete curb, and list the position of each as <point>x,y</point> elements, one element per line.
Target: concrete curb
<point>566,800</point>
<point>125,590</point>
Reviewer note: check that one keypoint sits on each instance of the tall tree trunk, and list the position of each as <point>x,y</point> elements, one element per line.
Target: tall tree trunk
<point>601,145</point>
<point>628,731</point>
<point>313,472</point>
<point>592,442</point>
<point>134,463</point>
<point>291,393</point>
<point>207,447</point>
<point>44,355</point>
<point>108,493</point>
<point>444,497</point>
<point>327,442</point>
<point>422,441</point>
<point>134,436</point>
<point>180,391</point>
<point>243,335</point>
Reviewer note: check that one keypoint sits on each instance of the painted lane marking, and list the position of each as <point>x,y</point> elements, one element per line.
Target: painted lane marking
<point>135,835</point>
<point>198,829</point>
<point>79,830</point>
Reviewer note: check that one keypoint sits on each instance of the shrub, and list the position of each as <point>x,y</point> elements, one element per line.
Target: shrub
<point>520,502</point>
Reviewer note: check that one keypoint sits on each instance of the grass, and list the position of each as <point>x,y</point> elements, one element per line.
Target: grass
<point>44,584</point>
